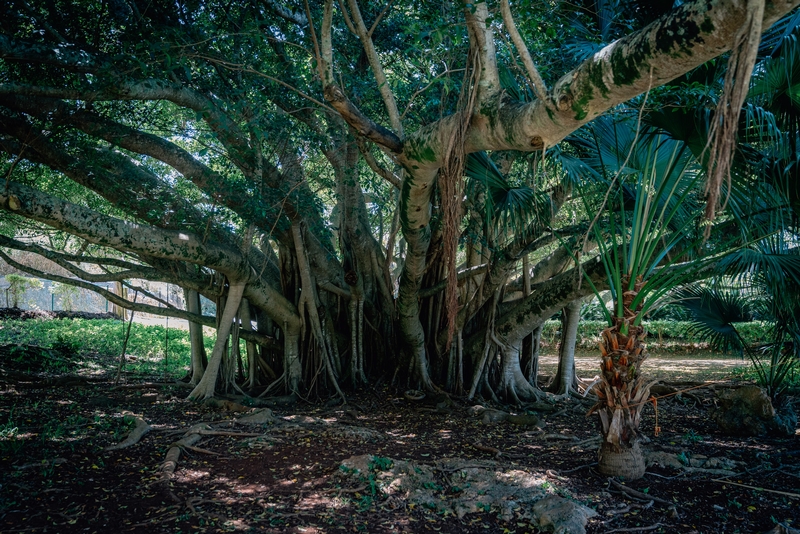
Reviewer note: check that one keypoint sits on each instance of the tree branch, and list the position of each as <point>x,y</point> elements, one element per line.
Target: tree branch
<point>17,245</point>
<point>377,69</point>
<point>360,122</point>
<point>118,234</point>
<point>462,275</point>
<point>112,297</point>
<point>385,173</point>
<point>60,259</point>
<point>227,131</point>
<point>539,87</point>
<point>379,18</point>
<point>339,101</point>
<point>295,17</point>
<point>482,40</point>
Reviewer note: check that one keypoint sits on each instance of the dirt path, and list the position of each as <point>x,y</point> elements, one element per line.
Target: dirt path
<point>669,366</point>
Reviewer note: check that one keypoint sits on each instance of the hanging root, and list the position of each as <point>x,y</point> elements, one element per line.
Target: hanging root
<point>309,297</point>
<point>450,191</point>
<point>361,373</point>
<point>722,134</point>
<point>354,354</point>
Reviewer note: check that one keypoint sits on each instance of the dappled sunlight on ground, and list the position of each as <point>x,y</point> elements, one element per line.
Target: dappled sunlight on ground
<point>672,367</point>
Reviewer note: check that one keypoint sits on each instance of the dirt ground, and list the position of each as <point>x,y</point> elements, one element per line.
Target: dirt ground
<point>287,475</point>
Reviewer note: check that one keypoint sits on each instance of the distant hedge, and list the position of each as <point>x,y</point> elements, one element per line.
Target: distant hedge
<point>657,332</point>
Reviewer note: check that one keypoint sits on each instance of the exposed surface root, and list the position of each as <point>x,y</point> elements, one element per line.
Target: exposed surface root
<point>191,437</point>
<point>135,435</point>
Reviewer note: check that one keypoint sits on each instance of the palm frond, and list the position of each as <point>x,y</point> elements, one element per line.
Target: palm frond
<point>773,39</point>
<point>511,208</point>
<point>714,313</point>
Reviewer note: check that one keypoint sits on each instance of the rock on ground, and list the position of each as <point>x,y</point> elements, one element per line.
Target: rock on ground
<point>561,515</point>
<point>260,417</point>
<point>461,487</point>
<point>748,411</point>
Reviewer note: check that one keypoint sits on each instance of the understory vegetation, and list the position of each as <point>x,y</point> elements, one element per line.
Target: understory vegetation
<point>79,339</point>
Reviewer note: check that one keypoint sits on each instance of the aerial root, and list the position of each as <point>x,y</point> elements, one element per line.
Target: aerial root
<point>188,443</point>
<point>134,436</point>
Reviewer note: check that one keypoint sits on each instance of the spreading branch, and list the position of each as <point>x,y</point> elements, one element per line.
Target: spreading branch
<point>539,87</point>
<point>205,320</point>
<point>339,101</point>
<point>61,260</point>
<point>375,64</point>
<point>376,167</point>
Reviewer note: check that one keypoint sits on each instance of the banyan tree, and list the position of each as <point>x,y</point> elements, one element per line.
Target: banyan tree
<point>367,192</point>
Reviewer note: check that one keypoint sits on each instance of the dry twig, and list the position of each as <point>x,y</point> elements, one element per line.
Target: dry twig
<point>636,529</point>
<point>784,493</point>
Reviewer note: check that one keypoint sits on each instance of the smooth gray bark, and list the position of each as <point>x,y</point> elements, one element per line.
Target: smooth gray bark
<point>205,388</point>
<point>198,351</point>
<point>565,380</point>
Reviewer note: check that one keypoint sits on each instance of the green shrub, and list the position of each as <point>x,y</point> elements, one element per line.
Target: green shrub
<point>67,295</point>
<point>18,285</point>
<point>657,331</point>
<point>105,336</point>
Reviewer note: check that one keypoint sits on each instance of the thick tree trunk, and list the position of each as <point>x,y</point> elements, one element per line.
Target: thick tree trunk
<point>252,351</point>
<point>198,350</point>
<point>205,388</point>
<point>408,308</point>
<point>293,367</point>
<point>565,380</point>
<point>513,383</point>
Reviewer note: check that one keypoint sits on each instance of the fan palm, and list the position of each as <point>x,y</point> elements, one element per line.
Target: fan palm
<point>764,280</point>
<point>765,193</point>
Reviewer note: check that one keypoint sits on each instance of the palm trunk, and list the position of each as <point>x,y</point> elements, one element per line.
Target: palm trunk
<point>622,393</point>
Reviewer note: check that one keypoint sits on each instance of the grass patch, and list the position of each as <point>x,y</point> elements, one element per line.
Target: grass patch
<point>83,337</point>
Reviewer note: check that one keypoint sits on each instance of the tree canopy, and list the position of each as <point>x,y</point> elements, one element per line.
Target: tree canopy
<point>384,189</point>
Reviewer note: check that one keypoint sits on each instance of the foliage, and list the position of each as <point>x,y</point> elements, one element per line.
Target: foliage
<point>18,285</point>
<point>146,343</point>
<point>774,352</point>
<point>67,294</point>
<point>214,130</point>
<point>714,312</point>
<point>666,333</point>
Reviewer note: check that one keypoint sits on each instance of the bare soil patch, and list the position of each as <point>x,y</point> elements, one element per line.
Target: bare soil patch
<point>290,473</point>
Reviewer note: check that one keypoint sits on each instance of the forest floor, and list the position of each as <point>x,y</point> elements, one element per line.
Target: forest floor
<point>292,473</point>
